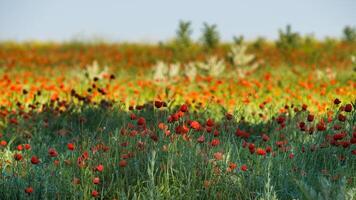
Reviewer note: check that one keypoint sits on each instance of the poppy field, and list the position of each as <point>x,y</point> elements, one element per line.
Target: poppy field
<point>169,121</point>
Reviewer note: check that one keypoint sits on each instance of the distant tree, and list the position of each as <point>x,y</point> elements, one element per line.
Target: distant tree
<point>259,43</point>
<point>349,34</point>
<point>211,36</point>
<point>183,34</point>
<point>288,39</point>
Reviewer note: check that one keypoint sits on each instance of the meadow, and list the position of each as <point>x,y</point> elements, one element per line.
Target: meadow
<point>178,120</point>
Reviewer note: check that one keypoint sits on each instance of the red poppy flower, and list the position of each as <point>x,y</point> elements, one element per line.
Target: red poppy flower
<point>35,160</point>
<point>261,152</point>
<point>29,190</point>
<point>141,121</point>
<point>244,168</point>
<point>353,140</point>
<point>20,147</point>
<point>201,139</point>
<point>342,117</point>
<point>281,120</point>
<point>268,149</point>
<point>99,168</point>
<point>302,126</point>
<point>158,104</point>
<point>265,137</point>
<point>18,156</point>
<point>218,156</point>
<point>3,143</point>
<point>184,108</point>
<point>310,118</point>
<point>304,107</point>
<point>27,146</point>
<point>94,193</point>
<point>232,165</point>
<point>195,125</point>
<point>123,163</point>
<point>337,101</point>
<point>52,152</point>
<point>182,130</point>
<point>70,146</point>
<point>210,122</point>
<point>345,144</point>
<point>339,136</point>
<point>215,142</point>
<point>321,126</point>
<point>353,152</point>
<point>348,108</point>
<point>229,116</point>
<point>251,147</point>
<point>132,116</point>
<point>96,180</point>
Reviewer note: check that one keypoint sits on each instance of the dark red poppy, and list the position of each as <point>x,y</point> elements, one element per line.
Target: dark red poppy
<point>304,107</point>
<point>342,117</point>
<point>265,137</point>
<point>337,101</point>
<point>18,156</point>
<point>210,122</point>
<point>52,152</point>
<point>28,190</point>
<point>229,116</point>
<point>268,149</point>
<point>216,133</point>
<point>251,148</point>
<point>123,163</point>
<point>132,116</point>
<point>321,126</point>
<point>353,152</point>
<point>141,121</point>
<point>184,108</point>
<point>35,160</point>
<point>158,104</point>
<point>348,108</point>
<point>302,126</point>
<point>339,136</point>
<point>310,118</point>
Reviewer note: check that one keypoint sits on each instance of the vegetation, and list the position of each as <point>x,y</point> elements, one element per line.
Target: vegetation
<point>249,120</point>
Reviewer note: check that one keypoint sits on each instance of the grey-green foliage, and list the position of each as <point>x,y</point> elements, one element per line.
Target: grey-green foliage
<point>349,34</point>
<point>211,36</point>
<point>288,39</point>
<point>325,190</point>
<point>183,34</point>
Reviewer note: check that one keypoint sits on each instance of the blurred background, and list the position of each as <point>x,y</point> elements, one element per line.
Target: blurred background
<point>156,20</point>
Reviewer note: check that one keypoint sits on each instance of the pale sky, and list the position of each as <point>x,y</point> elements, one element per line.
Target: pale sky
<point>155,20</point>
